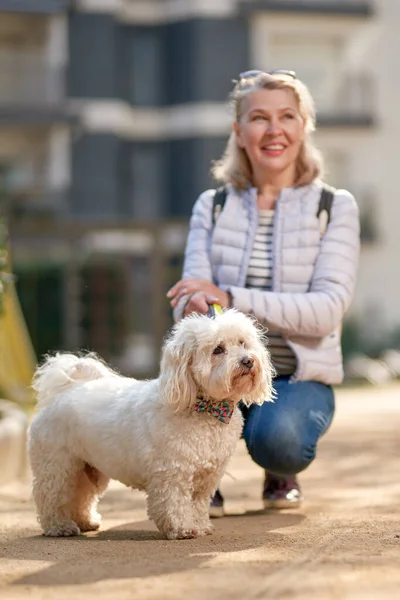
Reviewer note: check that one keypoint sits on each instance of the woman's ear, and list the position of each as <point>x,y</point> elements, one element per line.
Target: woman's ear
<point>303,129</point>
<point>238,133</point>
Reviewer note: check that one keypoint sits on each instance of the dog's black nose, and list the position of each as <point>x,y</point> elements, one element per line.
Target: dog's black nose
<point>247,362</point>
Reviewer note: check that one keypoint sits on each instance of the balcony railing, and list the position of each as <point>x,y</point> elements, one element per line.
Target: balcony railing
<point>350,7</point>
<point>34,6</point>
<point>27,81</point>
<point>349,101</point>
<point>368,202</point>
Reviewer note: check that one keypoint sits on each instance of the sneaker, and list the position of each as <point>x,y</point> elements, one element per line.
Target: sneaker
<point>281,492</point>
<point>216,506</point>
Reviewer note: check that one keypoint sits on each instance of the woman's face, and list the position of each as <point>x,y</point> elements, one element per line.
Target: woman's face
<point>271,131</point>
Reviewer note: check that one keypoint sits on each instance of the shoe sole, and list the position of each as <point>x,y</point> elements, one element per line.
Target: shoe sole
<point>216,512</point>
<point>279,504</point>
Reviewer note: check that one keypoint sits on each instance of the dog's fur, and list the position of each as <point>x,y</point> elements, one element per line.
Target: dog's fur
<point>94,425</point>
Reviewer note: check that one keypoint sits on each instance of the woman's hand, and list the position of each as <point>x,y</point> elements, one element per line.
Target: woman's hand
<point>198,303</point>
<point>202,293</point>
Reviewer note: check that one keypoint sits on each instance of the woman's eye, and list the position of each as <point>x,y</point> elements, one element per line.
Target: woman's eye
<point>258,118</point>
<point>289,116</point>
<point>218,350</point>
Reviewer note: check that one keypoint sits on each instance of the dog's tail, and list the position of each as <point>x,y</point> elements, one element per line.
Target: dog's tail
<point>62,370</point>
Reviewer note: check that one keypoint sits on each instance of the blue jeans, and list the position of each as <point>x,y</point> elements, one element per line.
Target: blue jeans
<point>282,436</point>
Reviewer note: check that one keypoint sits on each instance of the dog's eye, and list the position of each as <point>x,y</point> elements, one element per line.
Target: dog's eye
<point>242,343</point>
<point>218,350</point>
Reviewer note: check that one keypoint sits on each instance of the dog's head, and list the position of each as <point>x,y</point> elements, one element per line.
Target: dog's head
<point>223,358</point>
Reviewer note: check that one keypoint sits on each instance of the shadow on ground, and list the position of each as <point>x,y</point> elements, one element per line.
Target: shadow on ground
<point>129,551</point>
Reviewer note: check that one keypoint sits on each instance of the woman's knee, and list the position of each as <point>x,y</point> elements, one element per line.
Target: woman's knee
<point>282,438</point>
<point>283,453</point>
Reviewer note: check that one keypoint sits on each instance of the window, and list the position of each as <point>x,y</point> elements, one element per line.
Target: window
<point>316,60</point>
<point>146,80</point>
<point>148,181</point>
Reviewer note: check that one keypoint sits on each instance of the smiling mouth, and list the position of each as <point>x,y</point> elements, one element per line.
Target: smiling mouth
<point>273,149</point>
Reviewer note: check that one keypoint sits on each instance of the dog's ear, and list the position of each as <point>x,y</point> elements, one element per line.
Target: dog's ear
<point>177,386</point>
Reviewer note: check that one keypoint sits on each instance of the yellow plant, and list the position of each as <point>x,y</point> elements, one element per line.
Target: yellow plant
<point>17,357</point>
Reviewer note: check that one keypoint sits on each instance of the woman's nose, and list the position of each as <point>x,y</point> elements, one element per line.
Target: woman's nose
<point>274,126</point>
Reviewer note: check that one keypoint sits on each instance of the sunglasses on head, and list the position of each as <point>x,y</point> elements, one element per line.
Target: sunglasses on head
<point>255,72</point>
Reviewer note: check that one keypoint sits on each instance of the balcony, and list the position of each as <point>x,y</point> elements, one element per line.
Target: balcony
<point>34,6</point>
<point>370,226</point>
<point>34,185</point>
<point>363,8</point>
<point>31,91</point>
<point>348,102</point>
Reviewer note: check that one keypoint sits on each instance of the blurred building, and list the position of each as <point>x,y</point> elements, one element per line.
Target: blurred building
<point>34,140</point>
<point>113,110</point>
<point>34,121</point>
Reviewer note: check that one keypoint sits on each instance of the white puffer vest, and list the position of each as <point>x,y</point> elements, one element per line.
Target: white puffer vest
<point>313,276</point>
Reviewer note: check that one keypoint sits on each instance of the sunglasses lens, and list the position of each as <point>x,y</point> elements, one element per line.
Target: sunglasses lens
<point>254,73</point>
<point>248,74</point>
<point>283,72</point>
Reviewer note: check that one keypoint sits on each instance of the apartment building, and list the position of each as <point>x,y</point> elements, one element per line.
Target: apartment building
<point>146,113</point>
<point>34,136</point>
<point>34,123</point>
<point>154,111</point>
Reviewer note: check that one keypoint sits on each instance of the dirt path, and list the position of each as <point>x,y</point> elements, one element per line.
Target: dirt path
<point>344,543</point>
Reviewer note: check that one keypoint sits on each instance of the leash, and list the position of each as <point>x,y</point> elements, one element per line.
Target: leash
<point>214,310</point>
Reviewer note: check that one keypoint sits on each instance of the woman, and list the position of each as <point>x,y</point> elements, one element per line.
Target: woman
<point>267,256</point>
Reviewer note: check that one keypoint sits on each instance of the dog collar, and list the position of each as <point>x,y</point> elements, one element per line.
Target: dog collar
<point>222,410</point>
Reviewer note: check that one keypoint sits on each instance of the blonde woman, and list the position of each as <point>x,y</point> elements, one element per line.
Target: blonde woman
<point>267,254</point>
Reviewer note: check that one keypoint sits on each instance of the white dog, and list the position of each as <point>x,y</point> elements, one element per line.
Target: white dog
<point>171,436</point>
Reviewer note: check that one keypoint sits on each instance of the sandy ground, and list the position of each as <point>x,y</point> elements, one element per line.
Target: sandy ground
<point>343,544</point>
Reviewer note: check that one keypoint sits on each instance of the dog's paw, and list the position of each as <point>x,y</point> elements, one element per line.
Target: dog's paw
<point>181,534</point>
<point>89,525</point>
<point>63,530</point>
<point>208,529</point>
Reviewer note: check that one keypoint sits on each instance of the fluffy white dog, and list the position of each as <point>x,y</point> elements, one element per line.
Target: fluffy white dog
<point>171,436</point>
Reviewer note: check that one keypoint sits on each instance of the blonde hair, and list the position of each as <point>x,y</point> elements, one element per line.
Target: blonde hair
<point>234,167</point>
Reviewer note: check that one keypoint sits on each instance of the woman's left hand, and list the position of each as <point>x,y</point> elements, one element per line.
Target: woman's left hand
<point>190,286</point>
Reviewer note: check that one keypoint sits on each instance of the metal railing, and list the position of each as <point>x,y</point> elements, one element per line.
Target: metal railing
<point>28,81</point>
<point>351,100</point>
<point>364,7</point>
<point>36,6</point>
<point>322,2</point>
<point>103,287</point>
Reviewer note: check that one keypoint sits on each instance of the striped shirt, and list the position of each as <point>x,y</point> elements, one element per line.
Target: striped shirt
<point>259,276</point>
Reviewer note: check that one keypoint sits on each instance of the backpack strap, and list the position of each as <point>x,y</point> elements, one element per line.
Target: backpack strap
<point>324,207</point>
<point>323,213</point>
<point>218,202</point>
